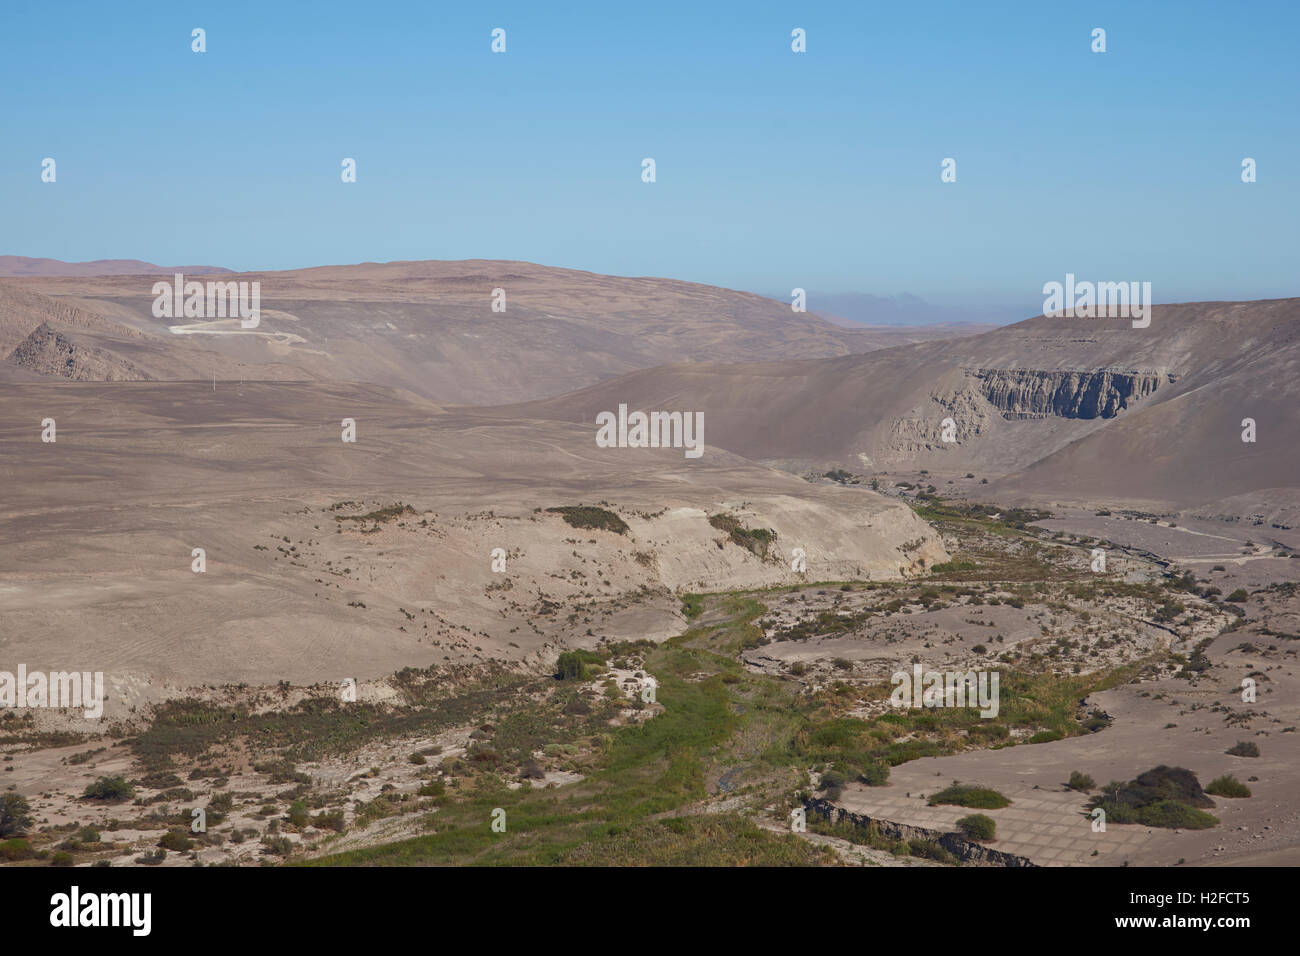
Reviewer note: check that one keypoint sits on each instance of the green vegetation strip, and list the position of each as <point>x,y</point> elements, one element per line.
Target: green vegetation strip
<point>723,728</point>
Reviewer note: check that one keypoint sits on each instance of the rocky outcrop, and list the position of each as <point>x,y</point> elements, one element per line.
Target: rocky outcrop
<point>1034,393</point>
<point>49,352</point>
<point>974,854</point>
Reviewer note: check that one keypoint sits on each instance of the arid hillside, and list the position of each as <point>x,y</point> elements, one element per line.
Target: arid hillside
<point>47,339</point>
<point>326,556</point>
<point>431,328</point>
<point>1072,408</point>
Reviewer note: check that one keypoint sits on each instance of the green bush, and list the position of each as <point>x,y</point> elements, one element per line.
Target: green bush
<point>594,519</point>
<point>1244,748</point>
<point>221,802</point>
<point>929,850</point>
<point>1166,797</point>
<point>1239,596</point>
<point>875,774</point>
<point>16,849</point>
<point>277,845</point>
<point>61,859</point>
<point>1174,816</point>
<point>176,840</point>
<point>298,815</point>
<point>110,788</point>
<point>754,540</point>
<point>692,605</point>
<point>329,820</point>
<point>434,788</point>
<point>954,566</point>
<point>980,798</point>
<point>832,784</point>
<point>1227,786</point>
<point>578,665</point>
<point>15,815</point>
<point>977,826</point>
<point>1080,781</point>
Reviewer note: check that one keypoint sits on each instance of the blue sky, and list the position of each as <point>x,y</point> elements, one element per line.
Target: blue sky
<point>775,169</point>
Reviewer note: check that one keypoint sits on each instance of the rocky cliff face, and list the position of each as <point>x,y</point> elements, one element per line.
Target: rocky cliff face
<point>1031,393</point>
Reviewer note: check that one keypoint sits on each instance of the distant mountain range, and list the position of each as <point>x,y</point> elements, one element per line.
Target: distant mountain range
<point>24,266</point>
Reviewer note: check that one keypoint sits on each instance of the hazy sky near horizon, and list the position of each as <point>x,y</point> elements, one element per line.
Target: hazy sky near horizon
<point>774,169</point>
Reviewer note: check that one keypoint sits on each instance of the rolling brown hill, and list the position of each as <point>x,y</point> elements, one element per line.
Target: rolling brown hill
<point>1065,408</point>
<point>429,327</point>
<point>43,338</point>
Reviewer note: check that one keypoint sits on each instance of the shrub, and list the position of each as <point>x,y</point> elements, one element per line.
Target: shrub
<point>16,849</point>
<point>110,788</point>
<point>1227,786</point>
<point>588,518</point>
<point>977,826</point>
<point>832,784</point>
<point>1080,781</point>
<point>329,820</point>
<point>278,845</point>
<point>221,802</point>
<point>875,774</point>
<point>980,798</point>
<point>929,850</point>
<point>15,815</point>
<point>1174,816</point>
<point>578,665</point>
<point>1162,797</point>
<point>1239,596</point>
<point>298,815</point>
<point>692,605</point>
<point>434,788</point>
<point>1244,748</point>
<point>176,840</point>
<point>755,540</point>
<point>61,858</point>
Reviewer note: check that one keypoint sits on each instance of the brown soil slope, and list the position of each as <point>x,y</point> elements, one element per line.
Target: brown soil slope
<point>430,327</point>
<point>1087,407</point>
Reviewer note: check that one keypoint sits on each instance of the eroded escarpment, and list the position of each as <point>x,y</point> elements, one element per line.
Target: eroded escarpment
<point>1037,393</point>
<point>973,402</point>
